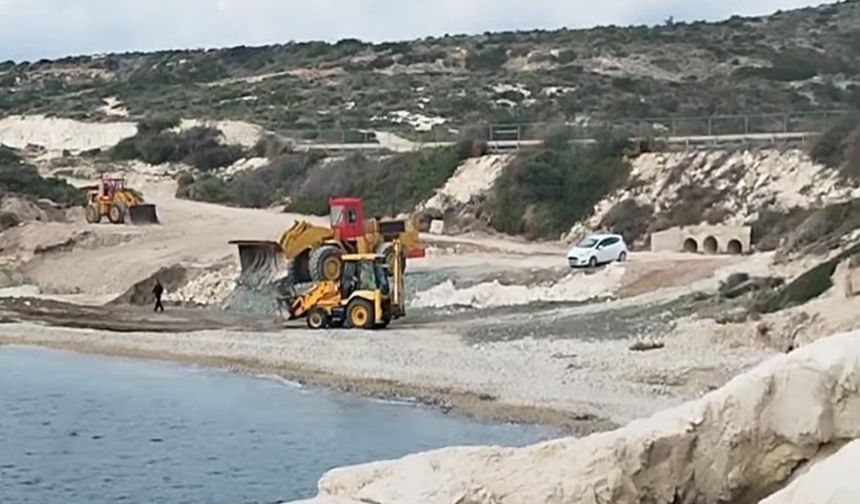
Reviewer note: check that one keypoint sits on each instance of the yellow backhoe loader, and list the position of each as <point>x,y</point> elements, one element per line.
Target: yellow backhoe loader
<point>112,199</point>
<point>309,253</point>
<point>368,295</point>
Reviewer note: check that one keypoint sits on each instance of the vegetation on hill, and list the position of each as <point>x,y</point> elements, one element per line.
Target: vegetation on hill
<point>543,192</point>
<point>304,182</point>
<point>157,142</point>
<point>805,59</point>
<point>18,177</point>
<point>839,146</point>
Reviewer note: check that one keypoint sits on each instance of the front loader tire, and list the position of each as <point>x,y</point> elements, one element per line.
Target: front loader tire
<point>326,264</point>
<point>387,250</point>
<point>116,213</point>
<point>359,314</point>
<point>92,214</point>
<point>318,319</point>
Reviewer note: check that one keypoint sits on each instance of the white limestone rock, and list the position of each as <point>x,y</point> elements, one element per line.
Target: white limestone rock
<point>740,441</point>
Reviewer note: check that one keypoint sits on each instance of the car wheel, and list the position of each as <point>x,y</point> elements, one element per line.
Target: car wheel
<point>592,263</point>
<point>622,257</point>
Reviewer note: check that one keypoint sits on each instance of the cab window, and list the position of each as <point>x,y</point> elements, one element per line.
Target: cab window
<point>367,276</point>
<point>337,215</point>
<point>350,216</point>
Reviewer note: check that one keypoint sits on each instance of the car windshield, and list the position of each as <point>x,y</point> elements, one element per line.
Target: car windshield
<point>588,243</point>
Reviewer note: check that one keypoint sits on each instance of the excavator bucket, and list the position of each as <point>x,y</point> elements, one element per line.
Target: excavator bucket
<point>262,281</point>
<point>262,262</point>
<point>143,214</point>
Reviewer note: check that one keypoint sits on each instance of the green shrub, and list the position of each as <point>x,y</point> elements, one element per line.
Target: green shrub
<point>546,191</point>
<point>160,148</point>
<point>566,56</point>
<point>157,124</point>
<point>9,156</point>
<point>772,225</point>
<point>402,182</point>
<point>199,147</point>
<point>308,206</point>
<point>217,156</point>
<point>829,149</point>
<point>18,177</point>
<point>271,147</point>
<point>795,65</point>
<point>8,220</point>
<point>629,219</point>
<point>492,58</point>
<point>205,188</point>
<point>258,188</point>
<point>247,190</point>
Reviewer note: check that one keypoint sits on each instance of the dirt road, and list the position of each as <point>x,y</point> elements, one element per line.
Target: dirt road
<point>105,260</point>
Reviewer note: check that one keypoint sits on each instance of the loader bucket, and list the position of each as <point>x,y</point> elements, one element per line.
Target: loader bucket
<point>262,279</point>
<point>143,214</point>
<point>262,262</point>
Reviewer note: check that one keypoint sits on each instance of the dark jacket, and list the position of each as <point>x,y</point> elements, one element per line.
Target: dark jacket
<point>158,290</point>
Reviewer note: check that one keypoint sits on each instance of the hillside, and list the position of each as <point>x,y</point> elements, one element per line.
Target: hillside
<point>806,59</point>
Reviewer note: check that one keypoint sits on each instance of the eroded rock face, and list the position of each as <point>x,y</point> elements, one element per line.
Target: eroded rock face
<point>831,481</point>
<point>739,443</point>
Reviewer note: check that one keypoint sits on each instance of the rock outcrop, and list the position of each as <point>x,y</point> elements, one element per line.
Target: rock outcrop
<point>716,186</point>
<point>740,443</point>
<point>831,481</point>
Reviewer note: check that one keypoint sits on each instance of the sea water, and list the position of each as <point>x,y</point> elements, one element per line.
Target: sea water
<point>78,429</point>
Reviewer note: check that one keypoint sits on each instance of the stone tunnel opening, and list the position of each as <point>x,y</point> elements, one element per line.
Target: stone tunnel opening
<point>735,247</point>
<point>691,246</point>
<point>711,245</point>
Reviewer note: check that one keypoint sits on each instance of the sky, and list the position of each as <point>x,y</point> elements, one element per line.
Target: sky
<point>35,29</point>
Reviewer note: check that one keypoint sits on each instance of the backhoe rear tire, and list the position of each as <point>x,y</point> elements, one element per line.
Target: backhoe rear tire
<point>116,213</point>
<point>359,314</point>
<point>326,264</point>
<point>92,214</point>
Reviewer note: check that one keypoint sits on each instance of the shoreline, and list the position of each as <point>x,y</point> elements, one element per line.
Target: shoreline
<point>466,404</point>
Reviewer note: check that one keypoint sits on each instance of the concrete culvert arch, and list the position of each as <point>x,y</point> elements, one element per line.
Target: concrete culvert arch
<point>691,246</point>
<point>711,245</point>
<point>735,247</point>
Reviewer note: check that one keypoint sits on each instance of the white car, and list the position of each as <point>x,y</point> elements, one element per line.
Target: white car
<point>596,250</point>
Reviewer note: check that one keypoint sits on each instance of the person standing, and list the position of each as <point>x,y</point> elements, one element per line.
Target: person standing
<point>158,291</point>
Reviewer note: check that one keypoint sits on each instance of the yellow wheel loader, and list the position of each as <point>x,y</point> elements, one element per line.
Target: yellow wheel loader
<point>308,253</point>
<point>368,295</point>
<point>111,199</point>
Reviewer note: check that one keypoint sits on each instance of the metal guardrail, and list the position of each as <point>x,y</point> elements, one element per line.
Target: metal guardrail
<point>794,126</point>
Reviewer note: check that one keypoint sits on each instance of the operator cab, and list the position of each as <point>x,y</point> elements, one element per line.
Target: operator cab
<point>347,217</point>
<point>110,186</point>
<point>368,273</point>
